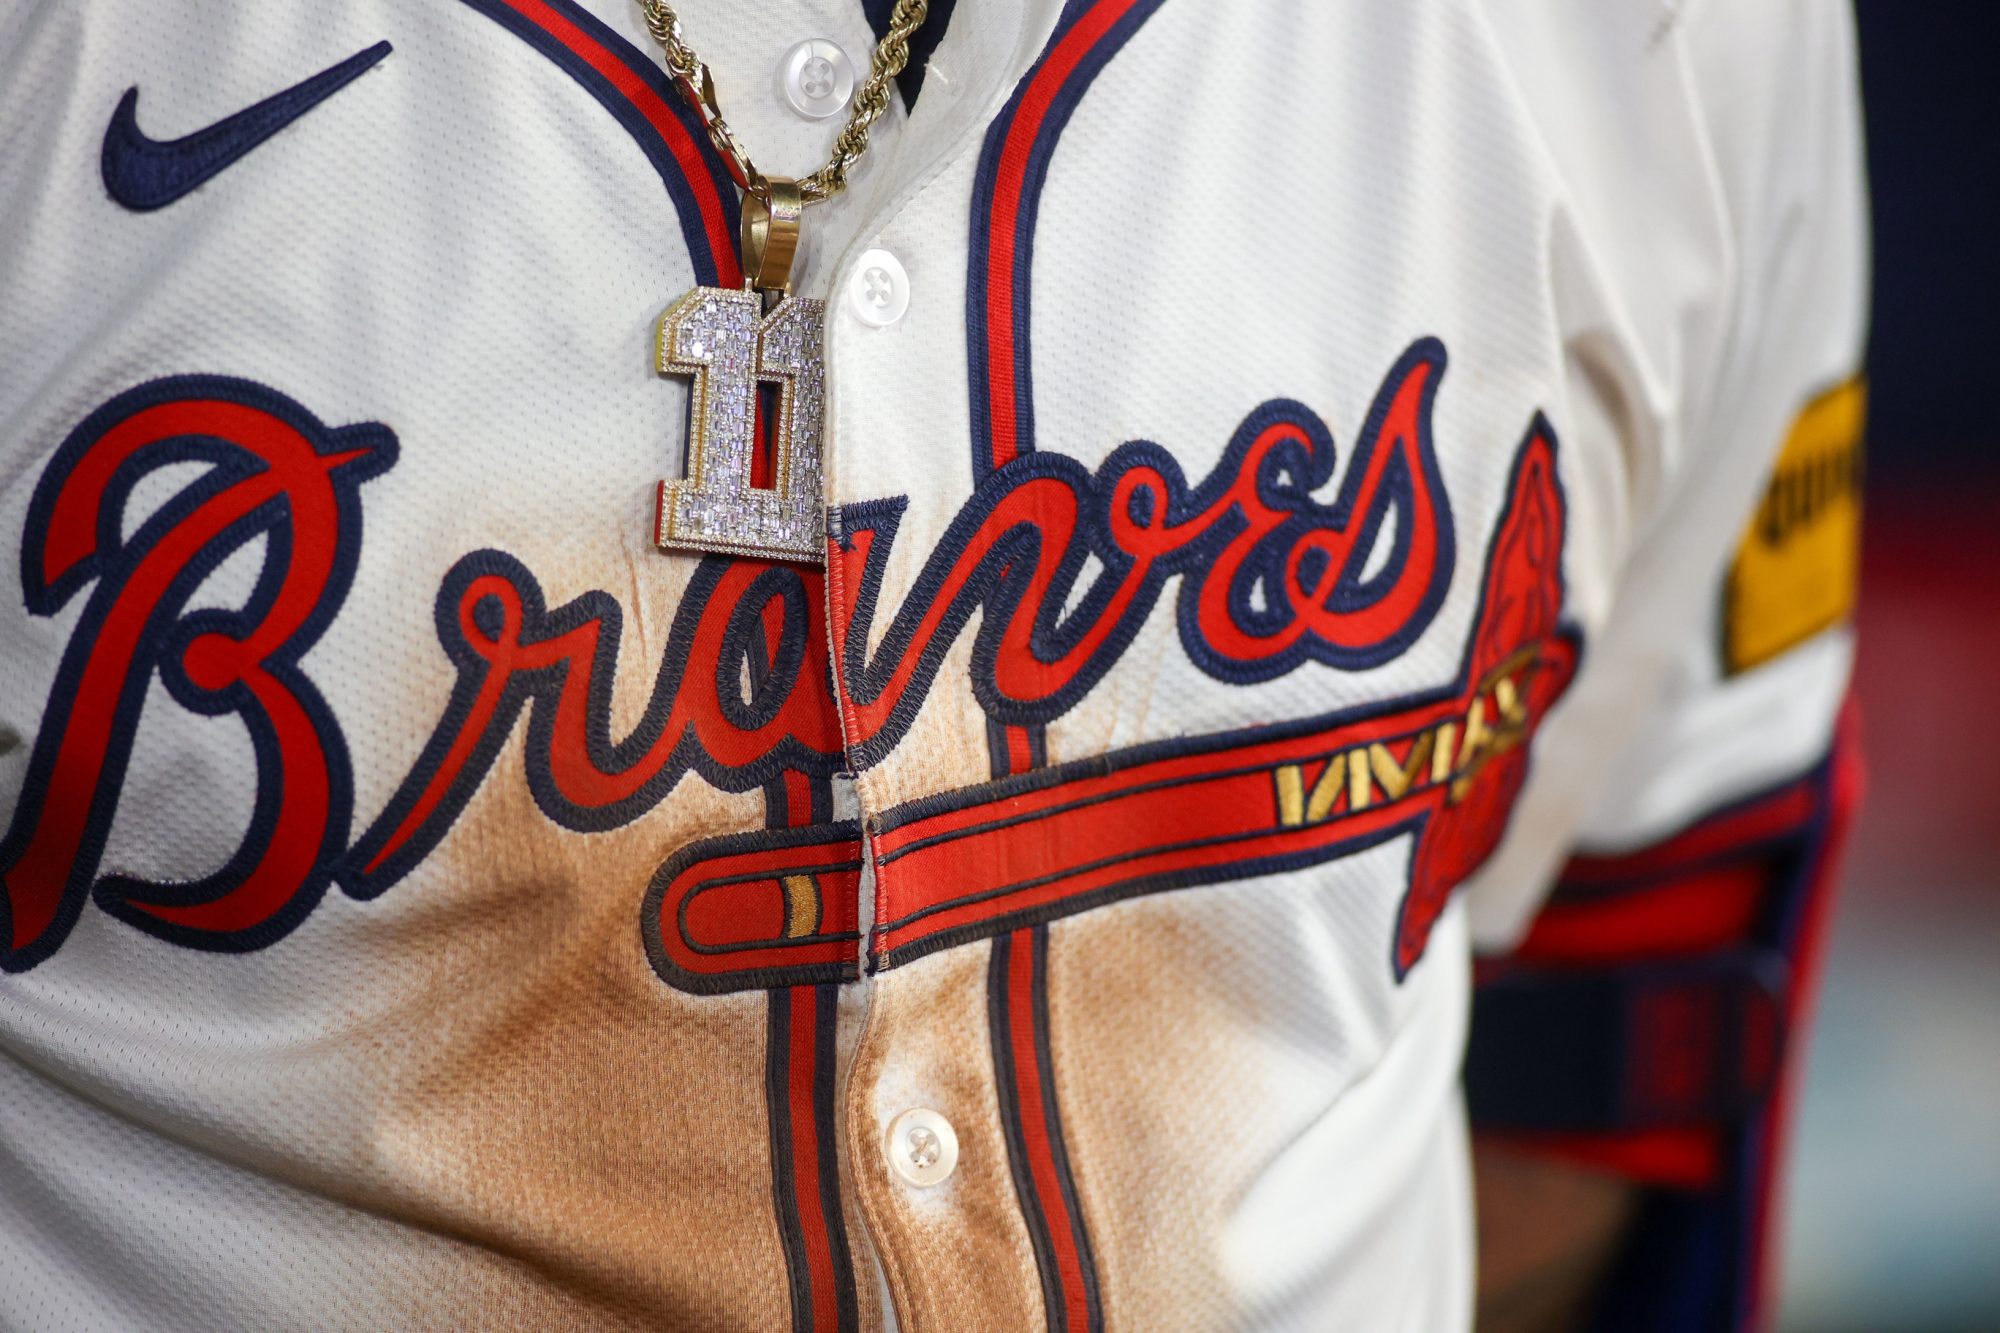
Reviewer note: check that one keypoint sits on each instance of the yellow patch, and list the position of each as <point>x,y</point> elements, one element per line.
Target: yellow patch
<point>801,906</point>
<point>1799,562</point>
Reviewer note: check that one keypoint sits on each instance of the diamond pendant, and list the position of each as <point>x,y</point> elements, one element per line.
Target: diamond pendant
<point>726,340</point>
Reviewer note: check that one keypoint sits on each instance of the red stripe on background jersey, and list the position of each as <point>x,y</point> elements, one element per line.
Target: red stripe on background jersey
<point>1759,875</point>
<point>1726,836</point>
<point>1710,910</point>
<point>1675,1157</point>
<point>1806,944</point>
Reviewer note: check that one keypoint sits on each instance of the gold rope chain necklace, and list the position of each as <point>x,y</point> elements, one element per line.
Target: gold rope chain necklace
<point>735,341</point>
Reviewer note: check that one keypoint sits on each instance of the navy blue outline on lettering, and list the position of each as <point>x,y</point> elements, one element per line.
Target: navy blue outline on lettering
<point>1100,765</point>
<point>773,668</point>
<point>994,793</point>
<point>978,298</point>
<point>1290,473</point>
<point>542,688</point>
<point>110,564</point>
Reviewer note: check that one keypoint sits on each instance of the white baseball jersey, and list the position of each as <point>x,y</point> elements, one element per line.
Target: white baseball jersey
<point>1283,465</point>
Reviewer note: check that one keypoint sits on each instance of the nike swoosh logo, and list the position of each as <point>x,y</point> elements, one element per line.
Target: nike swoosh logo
<point>144,174</point>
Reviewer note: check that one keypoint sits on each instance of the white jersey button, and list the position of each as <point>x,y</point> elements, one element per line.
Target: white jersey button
<point>922,1147</point>
<point>879,289</point>
<point>816,79</point>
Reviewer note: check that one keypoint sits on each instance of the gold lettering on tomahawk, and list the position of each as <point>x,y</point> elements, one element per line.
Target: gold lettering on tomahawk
<point>1326,791</point>
<point>1441,753</point>
<point>1449,754</point>
<point>1395,778</point>
<point>1291,783</point>
<point>1360,792</point>
<point>1476,736</point>
<point>1297,806</point>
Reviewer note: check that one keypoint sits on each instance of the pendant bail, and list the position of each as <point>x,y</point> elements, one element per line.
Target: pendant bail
<point>772,207</point>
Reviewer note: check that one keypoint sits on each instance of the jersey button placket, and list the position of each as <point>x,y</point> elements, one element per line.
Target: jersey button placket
<point>878,289</point>
<point>922,1147</point>
<point>816,79</point>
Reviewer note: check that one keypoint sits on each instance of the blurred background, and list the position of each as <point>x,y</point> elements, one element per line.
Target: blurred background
<point>1895,1179</point>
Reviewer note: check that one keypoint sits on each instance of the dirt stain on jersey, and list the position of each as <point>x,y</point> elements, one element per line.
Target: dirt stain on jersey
<point>1158,1090</point>
<point>956,1254</point>
<point>549,1100</point>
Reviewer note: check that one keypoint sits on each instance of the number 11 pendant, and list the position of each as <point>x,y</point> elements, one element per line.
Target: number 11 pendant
<point>724,338</point>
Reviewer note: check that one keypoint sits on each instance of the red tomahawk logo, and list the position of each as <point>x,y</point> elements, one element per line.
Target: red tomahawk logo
<point>761,910</point>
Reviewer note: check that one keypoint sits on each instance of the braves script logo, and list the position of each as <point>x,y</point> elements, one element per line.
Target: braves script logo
<point>779,909</point>
<point>1269,577</point>
<point>274,472</point>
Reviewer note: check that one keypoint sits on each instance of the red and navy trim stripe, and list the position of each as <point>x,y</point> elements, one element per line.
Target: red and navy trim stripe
<point>635,89</point>
<point>1013,166</point>
<point>800,1071</point>
<point>1017,997</point>
<point>1006,198</point>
